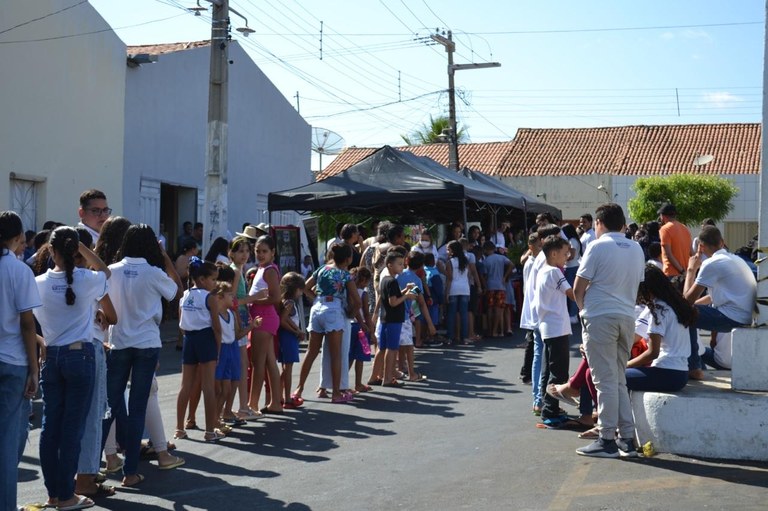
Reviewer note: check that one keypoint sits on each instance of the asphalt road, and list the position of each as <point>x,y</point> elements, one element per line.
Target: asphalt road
<point>466,439</point>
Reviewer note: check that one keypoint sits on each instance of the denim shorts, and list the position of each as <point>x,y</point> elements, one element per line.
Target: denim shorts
<point>199,347</point>
<point>228,367</point>
<point>327,317</point>
<point>390,336</point>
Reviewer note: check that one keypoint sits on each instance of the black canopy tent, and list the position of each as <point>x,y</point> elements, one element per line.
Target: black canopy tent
<point>399,184</point>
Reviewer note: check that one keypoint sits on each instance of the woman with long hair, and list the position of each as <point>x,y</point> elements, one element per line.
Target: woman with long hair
<point>143,275</point>
<point>457,292</point>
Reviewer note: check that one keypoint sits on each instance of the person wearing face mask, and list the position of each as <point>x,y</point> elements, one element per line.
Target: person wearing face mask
<point>426,246</point>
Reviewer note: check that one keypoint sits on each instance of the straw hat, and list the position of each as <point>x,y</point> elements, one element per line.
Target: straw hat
<point>249,232</point>
<point>263,227</point>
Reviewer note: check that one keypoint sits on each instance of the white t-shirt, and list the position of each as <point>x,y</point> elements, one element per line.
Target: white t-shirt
<point>577,248</point>
<point>64,324</point>
<point>18,293</point>
<point>731,284</point>
<point>531,294</point>
<point>643,321</point>
<point>135,289</point>
<point>498,239</point>
<point>227,327</point>
<point>675,339</point>
<point>587,238</point>
<point>221,258</point>
<point>94,233</point>
<point>723,351</point>
<point>194,310</point>
<point>526,313</point>
<point>459,279</point>
<point>429,250</point>
<point>551,303</point>
<point>614,266</point>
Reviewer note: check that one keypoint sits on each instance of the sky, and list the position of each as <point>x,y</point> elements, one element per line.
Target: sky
<point>564,64</point>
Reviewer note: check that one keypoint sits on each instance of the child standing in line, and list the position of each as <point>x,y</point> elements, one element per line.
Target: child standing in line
<point>66,318</point>
<point>199,320</point>
<point>436,291</point>
<point>392,317</point>
<point>291,289</point>
<point>228,373</point>
<point>18,358</point>
<point>363,322</point>
<point>552,292</point>
<point>496,269</point>
<point>526,318</point>
<point>413,315</point>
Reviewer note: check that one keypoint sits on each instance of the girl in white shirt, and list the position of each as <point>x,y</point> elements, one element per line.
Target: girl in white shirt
<point>457,292</point>
<point>199,320</point>
<point>66,319</point>
<point>670,346</point>
<point>18,353</point>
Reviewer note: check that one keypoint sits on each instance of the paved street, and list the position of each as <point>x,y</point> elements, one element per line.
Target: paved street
<point>466,439</point>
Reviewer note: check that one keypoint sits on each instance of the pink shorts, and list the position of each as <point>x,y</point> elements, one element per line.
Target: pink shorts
<point>270,321</point>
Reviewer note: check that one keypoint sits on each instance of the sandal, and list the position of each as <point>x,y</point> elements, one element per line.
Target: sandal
<point>117,468</point>
<point>82,503</point>
<point>364,388</point>
<point>139,480</point>
<point>179,434</point>
<point>297,399</point>
<point>102,490</point>
<point>343,399</point>
<point>177,462</point>
<point>417,377</point>
<point>190,424</point>
<point>377,381</point>
<point>556,391</point>
<point>248,414</point>
<point>322,394</point>
<point>590,434</point>
<point>213,436</point>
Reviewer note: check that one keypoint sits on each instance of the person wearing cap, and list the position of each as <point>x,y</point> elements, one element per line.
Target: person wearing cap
<point>262,229</point>
<point>675,242</point>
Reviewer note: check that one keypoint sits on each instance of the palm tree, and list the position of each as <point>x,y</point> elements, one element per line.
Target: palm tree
<point>432,133</point>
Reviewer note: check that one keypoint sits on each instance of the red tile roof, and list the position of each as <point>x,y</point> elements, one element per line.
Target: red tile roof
<point>158,49</point>
<point>484,157</point>
<point>635,150</point>
<point>623,150</point>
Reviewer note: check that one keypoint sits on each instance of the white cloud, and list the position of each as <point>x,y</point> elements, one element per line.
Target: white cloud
<point>721,99</point>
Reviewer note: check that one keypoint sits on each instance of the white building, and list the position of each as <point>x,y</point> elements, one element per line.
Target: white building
<point>76,116</point>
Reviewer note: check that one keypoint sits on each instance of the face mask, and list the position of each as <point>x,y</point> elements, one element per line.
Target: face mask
<point>425,244</point>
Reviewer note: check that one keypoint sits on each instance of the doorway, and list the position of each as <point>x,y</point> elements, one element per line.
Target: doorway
<point>178,204</point>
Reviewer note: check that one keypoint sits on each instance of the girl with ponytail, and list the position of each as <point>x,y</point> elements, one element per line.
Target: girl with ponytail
<point>66,318</point>
<point>18,353</point>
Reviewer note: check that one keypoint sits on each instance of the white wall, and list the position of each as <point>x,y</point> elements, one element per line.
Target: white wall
<point>62,106</point>
<point>574,195</point>
<point>166,126</point>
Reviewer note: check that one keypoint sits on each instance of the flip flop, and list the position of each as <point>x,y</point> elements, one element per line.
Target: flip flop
<point>590,434</point>
<point>138,482</point>
<point>393,383</point>
<point>179,434</point>
<point>267,411</point>
<point>377,381</point>
<point>553,391</point>
<point>249,415</point>
<point>344,399</point>
<point>216,435</point>
<point>365,388</point>
<point>297,400</point>
<point>115,469</point>
<point>419,378</point>
<point>177,462</point>
<point>102,490</point>
<point>82,503</point>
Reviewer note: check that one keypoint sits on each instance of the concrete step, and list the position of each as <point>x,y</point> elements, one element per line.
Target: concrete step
<point>706,419</point>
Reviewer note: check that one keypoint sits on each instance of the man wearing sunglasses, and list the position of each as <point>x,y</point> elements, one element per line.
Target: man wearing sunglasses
<point>93,212</point>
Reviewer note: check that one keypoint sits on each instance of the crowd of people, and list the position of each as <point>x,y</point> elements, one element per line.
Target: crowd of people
<point>83,310</point>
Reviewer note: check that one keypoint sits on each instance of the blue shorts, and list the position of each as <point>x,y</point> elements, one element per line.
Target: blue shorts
<point>228,367</point>
<point>355,348</point>
<point>289,347</point>
<point>390,336</point>
<point>199,347</point>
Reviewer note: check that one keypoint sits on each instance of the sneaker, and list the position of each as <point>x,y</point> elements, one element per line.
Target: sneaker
<point>627,448</point>
<point>600,448</point>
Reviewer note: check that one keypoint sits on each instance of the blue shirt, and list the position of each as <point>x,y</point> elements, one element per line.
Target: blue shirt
<point>494,267</point>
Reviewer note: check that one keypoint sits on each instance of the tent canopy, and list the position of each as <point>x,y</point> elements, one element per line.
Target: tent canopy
<point>392,182</point>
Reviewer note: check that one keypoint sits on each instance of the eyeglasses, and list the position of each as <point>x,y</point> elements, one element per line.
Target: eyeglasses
<point>99,211</point>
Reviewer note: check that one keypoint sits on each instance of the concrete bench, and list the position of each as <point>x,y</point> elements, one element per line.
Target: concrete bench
<point>706,419</point>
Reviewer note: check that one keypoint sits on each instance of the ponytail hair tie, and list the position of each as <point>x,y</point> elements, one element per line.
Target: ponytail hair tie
<point>195,262</point>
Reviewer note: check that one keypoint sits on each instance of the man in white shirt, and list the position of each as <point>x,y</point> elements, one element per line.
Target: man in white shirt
<point>93,212</point>
<point>585,222</point>
<point>606,290</point>
<point>730,283</point>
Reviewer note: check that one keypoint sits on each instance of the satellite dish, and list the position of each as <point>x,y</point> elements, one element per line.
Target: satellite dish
<point>326,142</point>
<point>702,160</point>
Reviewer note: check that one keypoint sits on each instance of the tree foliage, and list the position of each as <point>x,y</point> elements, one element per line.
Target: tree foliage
<point>432,133</point>
<point>696,197</point>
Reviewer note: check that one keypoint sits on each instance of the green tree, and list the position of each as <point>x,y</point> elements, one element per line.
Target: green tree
<point>432,133</point>
<point>696,197</point>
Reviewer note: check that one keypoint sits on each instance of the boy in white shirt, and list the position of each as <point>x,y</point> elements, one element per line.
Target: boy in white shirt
<point>551,306</point>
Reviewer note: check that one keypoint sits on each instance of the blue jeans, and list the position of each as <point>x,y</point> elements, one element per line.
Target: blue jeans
<point>138,365</point>
<point>538,350</point>
<point>709,319</point>
<point>570,277</point>
<point>13,414</point>
<point>67,383</point>
<point>460,304</point>
<point>90,446</point>
<point>655,379</point>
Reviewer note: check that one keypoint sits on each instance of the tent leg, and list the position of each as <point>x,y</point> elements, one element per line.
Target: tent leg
<point>269,218</point>
<point>464,210</point>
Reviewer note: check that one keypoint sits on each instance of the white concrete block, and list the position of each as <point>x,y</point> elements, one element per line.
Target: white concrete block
<point>750,359</point>
<point>706,419</point>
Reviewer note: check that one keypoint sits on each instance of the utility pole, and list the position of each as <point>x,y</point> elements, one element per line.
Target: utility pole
<point>450,47</point>
<point>216,152</point>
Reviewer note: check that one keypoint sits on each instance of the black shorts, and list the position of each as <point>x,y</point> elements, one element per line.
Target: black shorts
<point>199,347</point>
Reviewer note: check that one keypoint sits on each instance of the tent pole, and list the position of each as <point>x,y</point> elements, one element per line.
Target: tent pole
<point>525,216</point>
<point>464,209</point>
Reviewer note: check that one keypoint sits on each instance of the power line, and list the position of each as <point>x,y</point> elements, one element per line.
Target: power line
<point>375,107</point>
<point>42,17</point>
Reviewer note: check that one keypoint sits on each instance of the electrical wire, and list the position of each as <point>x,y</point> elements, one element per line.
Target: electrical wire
<point>42,17</point>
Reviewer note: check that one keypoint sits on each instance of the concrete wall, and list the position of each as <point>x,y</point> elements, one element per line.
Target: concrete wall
<point>166,126</point>
<point>574,195</point>
<point>62,106</point>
